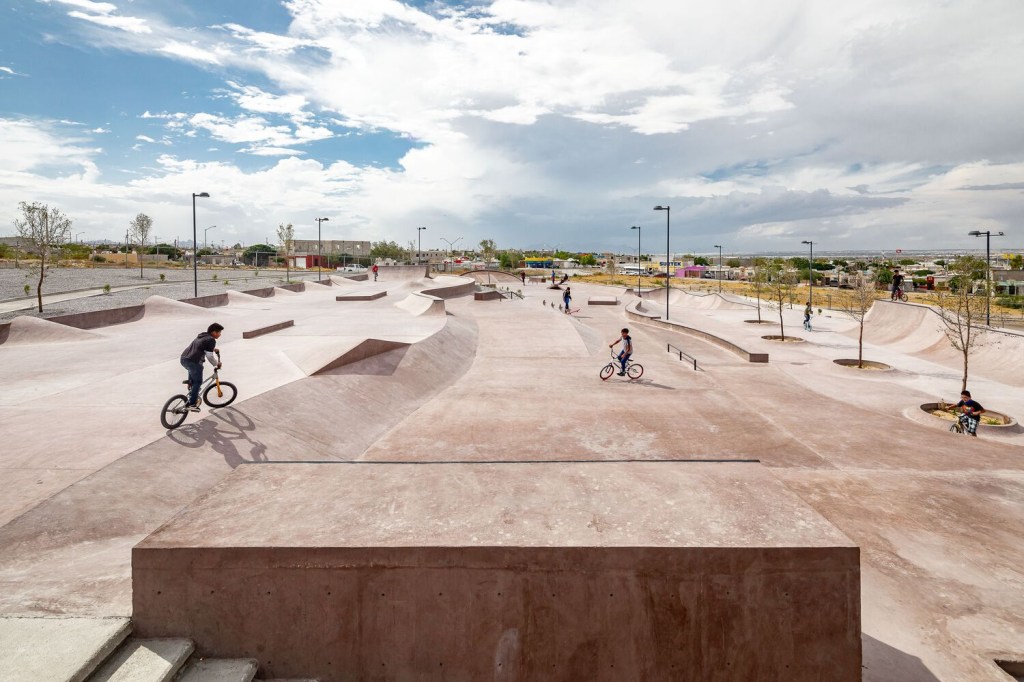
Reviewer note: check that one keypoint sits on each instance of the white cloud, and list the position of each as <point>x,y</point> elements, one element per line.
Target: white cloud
<point>144,138</point>
<point>129,24</point>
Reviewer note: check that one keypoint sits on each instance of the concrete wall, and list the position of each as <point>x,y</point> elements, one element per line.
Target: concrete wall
<point>634,311</point>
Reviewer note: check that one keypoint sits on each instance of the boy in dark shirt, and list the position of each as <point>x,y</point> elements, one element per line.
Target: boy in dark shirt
<point>192,360</point>
<point>897,284</point>
<point>970,413</point>
<point>627,349</point>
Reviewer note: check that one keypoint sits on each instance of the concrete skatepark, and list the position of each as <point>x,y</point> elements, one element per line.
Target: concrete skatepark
<point>422,439</point>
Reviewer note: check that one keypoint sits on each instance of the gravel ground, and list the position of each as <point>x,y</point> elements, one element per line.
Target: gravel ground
<point>178,285</point>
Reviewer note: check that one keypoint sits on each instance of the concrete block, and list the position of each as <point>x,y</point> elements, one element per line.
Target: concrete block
<point>603,300</point>
<point>260,331</point>
<point>57,649</point>
<point>145,660</point>
<point>370,296</point>
<point>220,670</point>
<point>595,571</point>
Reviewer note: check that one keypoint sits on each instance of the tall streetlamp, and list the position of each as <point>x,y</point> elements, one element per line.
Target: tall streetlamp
<point>668,259</point>
<point>637,228</point>
<point>988,270</point>
<point>206,241</point>
<point>319,245</point>
<point>419,245</point>
<point>717,246</point>
<point>810,273</point>
<point>126,249</point>
<point>451,248</point>
<point>195,242</point>
<point>77,235</point>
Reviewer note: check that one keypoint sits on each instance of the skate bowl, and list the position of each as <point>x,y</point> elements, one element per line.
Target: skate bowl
<point>449,286</point>
<point>636,311</point>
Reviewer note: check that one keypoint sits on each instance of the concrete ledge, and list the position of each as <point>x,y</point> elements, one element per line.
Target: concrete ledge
<point>355,277</point>
<point>452,287</point>
<point>253,333</point>
<point>265,292</point>
<point>297,287</point>
<point>635,311</point>
<point>145,659</point>
<point>373,296</point>
<point>101,318</point>
<point>548,570</point>
<point>487,295</point>
<point>325,282</point>
<point>603,300</point>
<point>211,301</point>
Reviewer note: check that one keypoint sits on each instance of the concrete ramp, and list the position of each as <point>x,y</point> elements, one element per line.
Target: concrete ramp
<point>360,354</point>
<point>278,291</point>
<point>446,286</point>
<point>160,306</point>
<point>401,273</point>
<point>25,330</point>
<point>422,304</point>
<point>238,297</point>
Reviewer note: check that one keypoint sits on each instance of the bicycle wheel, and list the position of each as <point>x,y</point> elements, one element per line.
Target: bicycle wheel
<point>635,371</point>
<point>229,391</point>
<point>607,371</point>
<point>174,412</point>
<point>903,297</point>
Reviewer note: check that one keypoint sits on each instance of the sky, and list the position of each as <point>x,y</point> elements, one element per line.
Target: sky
<point>538,124</point>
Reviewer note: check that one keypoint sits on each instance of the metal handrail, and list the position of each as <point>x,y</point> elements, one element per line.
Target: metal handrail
<point>673,349</point>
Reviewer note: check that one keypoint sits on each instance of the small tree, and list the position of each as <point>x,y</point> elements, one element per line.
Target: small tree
<point>140,227</point>
<point>45,229</point>
<point>762,271</point>
<point>959,309</point>
<point>487,249</point>
<point>286,235</point>
<point>780,287</point>
<point>856,305</point>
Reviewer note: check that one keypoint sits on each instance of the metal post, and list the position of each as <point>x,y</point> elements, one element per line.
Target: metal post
<point>126,248</point>
<point>717,246</point>
<point>810,273</point>
<point>668,249</point>
<point>195,245</point>
<point>319,245</point>
<point>637,228</point>
<point>419,245</point>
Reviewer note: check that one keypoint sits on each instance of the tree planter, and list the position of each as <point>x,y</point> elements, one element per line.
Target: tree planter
<point>868,364</point>
<point>783,339</point>
<point>760,322</point>
<point>995,420</point>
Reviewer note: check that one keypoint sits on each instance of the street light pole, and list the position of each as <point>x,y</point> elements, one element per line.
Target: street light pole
<point>451,250</point>
<point>319,245</point>
<point>668,248</point>
<point>126,248</point>
<point>988,271</point>
<point>195,245</point>
<point>717,246</point>
<point>637,228</point>
<point>810,273</point>
<point>419,245</point>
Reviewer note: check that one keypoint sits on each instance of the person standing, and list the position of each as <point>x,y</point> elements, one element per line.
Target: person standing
<point>374,272</point>
<point>567,299</point>
<point>552,277</point>
<point>522,275</point>
<point>970,413</point>
<point>627,348</point>
<point>807,317</point>
<point>897,284</point>
<point>192,360</point>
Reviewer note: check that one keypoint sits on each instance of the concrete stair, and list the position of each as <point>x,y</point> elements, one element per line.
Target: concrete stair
<point>145,660</point>
<point>220,670</point>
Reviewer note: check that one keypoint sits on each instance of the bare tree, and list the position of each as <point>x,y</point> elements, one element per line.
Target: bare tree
<point>286,235</point>
<point>780,288</point>
<point>46,229</point>
<point>140,226</point>
<point>761,270</point>
<point>856,305</point>
<point>960,309</point>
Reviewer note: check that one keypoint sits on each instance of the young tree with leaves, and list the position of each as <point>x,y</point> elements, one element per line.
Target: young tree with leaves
<point>780,287</point>
<point>286,236</point>
<point>960,309</point>
<point>387,250</point>
<point>140,226</point>
<point>45,229</point>
<point>487,248</point>
<point>761,274</point>
<point>856,305</point>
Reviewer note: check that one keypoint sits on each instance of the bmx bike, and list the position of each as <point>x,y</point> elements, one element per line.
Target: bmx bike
<point>213,392</point>
<point>899,295</point>
<point>634,370</point>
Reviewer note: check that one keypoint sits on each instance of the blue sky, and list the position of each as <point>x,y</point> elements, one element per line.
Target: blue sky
<point>528,122</point>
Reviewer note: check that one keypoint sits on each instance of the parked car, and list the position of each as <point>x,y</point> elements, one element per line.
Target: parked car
<point>352,268</point>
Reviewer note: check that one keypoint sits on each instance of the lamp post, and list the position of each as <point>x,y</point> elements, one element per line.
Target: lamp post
<point>419,245</point>
<point>718,246</point>
<point>451,248</point>
<point>77,235</point>
<point>637,228</point>
<point>988,271</point>
<point>810,273</point>
<point>195,243</point>
<point>126,249</point>
<point>319,245</point>
<point>668,248</point>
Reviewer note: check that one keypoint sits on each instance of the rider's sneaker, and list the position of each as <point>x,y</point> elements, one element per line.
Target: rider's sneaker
<point>621,374</point>
<point>192,408</point>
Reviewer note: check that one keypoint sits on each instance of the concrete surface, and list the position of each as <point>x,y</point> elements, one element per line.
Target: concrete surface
<point>145,660</point>
<point>87,472</point>
<point>531,571</point>
<point>219,670</point>
<point>57,649</point>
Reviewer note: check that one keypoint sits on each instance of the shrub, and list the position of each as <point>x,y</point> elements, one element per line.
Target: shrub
<point>106,288</point>
<point>1015,302</point>
<point>162,276</point>
<point>27,289</point>
<point>99,259</point>
<point>215,278</point>
<point>226,282</point>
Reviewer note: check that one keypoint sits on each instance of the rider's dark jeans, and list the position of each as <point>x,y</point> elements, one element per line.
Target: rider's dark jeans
<point>195,377</point>
<point>623,357</point>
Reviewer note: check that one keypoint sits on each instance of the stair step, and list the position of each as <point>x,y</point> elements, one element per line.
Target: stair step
<point>145,660</point>
<point>59,649</point>
<point>220,670</point>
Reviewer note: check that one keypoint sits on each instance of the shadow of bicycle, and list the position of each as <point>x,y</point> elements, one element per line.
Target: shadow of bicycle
<point>225,431</point>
